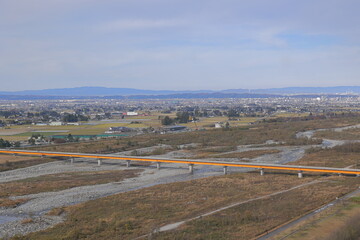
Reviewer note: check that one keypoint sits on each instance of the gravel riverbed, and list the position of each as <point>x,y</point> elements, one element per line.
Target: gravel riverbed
<point>31,216</point>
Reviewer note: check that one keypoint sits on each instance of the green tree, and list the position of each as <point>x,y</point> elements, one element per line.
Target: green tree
<point>182,117</point>
<point>70,138</point>
<point>233,113</point>
<point>70,118</point>
<point>167,121</point>
<point>31,141</point>
<point>4,143</point>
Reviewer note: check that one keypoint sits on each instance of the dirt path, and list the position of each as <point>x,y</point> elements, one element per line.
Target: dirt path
<point>310,134</point>
<point>173,226</point>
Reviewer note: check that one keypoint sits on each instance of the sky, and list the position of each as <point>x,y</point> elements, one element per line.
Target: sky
<point>178,44</point>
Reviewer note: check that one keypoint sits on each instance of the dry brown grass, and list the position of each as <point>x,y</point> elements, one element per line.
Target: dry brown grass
<point>255,218</point>
<point>57,182</point>
<point>27,221</point>
<point>131,214</point>
<point>350,134</point>
<point>9,162</point>
<point>10,203</point>
<point>56,211</point>
<point>248,154</point>
<point>330,158</point>
<point>10,158</point>
<point>256,134</point>
<point>338,223</point>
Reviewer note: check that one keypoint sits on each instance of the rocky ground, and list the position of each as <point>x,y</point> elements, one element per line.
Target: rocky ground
<point>31,216</point>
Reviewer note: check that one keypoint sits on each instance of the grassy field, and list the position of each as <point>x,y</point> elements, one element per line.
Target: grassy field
<point>255,134</point>
<point>15,138</point>
<point>57,182</point>
<point>19,133</point>
<point>247,154</point>
<point>337,223</point>
<point>285,114</point>
<point>349,134</point>
<point>9,162</point>
<point>45,134</point>
<point>347,155</point>
<point>22,132</point>
<point>208,122</point>
<point>255,218</point>
<point>132,214</point>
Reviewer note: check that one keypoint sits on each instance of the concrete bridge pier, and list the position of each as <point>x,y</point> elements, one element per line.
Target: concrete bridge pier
<point>191,168</point>
<point>158,165</point>
<point>262,172</point>
<point>99,162</point>
<point>358,175</point>
<point>128,163</point>
<point>300,174</point>
<point>72,159</point>
<point>225,170</point>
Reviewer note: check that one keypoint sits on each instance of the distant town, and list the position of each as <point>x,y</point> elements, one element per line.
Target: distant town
<point>37,122</point>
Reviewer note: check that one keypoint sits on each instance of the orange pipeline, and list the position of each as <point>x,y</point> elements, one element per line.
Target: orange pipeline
<point>244,165</point>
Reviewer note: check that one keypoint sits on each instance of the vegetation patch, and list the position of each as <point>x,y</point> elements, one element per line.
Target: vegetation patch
<point>257,134</point>
<point>248,154</point>
<point>349,134</point>
<point>132,214</point>
<point>337,223</point>
<point>258,217</point>
<point>8,162</point>
<point>156,151</point>
<point>57,182</point>
<point>11,203</point>
<point>347,155</point>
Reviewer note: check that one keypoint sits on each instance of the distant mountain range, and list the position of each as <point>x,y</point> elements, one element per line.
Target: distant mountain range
<point>97,91</point>
<point>136,93</point>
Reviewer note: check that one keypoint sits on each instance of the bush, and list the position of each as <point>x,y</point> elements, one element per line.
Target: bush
<point>348,147</point>
<point>350,230</point>
<point>5,143</point>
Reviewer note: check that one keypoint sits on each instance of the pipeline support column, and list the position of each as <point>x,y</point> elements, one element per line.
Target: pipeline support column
<point>262,172</point>
<point>99,162</point>
<point>158,165</point>
<point>128,163</point>
<point>191,168</point>
<point>225,170</point>
<point>300,174</point>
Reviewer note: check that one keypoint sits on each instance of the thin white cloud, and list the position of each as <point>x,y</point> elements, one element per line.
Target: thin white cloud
<point>138,24</point>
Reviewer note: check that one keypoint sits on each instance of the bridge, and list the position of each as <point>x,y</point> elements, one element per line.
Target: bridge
<point>190,162</point>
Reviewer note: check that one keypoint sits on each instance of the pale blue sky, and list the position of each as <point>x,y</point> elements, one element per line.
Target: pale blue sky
<point>178,44</point>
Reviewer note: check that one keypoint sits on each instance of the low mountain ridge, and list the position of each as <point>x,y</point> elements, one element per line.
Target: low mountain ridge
<point>104,91</point>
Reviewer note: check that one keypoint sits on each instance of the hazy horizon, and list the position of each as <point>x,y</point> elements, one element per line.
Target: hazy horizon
<point>204,89</point>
